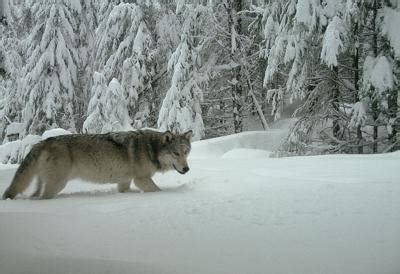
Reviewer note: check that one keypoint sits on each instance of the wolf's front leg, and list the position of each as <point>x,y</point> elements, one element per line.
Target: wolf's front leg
<point>124,187</point>
<point>146,184</point>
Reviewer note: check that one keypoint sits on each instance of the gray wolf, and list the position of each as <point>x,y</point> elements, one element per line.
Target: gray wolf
<point>117,157</point>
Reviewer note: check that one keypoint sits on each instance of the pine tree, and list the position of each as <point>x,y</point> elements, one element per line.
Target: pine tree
<point>166,31</point>
<point>115,38</point>
<point>180,110</point>
<point>108,109</point>
<point>116,109</point>
<point>10,73</point>
<point>226,64</point>
<point>51,70</point>
<point>293,32</point>
<point>123,51</point>
<point>137,74</point>
<point>235,85</point>
<point>353,18</point>
<point>390,32</point>
<point>332,45</point>
<point>95,120</point>
<point>307,29</point>
<point>334,102</point>
<point>234,23</point>
<point>88,22</point>
<point>379,79</point>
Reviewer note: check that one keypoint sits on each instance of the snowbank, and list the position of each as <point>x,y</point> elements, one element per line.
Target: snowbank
<point>14,152</point>
<point>263,140</point>
<point>54,132</point>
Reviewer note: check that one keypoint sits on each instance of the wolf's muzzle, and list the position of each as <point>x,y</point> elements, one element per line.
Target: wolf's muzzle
<point>185,169</point>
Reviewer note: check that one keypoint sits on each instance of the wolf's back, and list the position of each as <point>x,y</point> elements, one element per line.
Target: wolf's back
<point>24,174</point>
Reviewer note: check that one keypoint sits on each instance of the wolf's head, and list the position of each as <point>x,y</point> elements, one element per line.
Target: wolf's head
<point>175,150</point>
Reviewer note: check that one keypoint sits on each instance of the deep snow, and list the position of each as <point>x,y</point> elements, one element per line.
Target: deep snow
<point>236,211</point>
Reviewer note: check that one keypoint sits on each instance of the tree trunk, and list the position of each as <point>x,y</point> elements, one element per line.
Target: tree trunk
<point>257,106</point>
<point>394,119</point>
<point>2,54</point>
<point>397,123</point>
<point>236,82</point>
<point>237,95</point>
<point>356,61</point>
<point>375,113</point>
<point>335,105</point>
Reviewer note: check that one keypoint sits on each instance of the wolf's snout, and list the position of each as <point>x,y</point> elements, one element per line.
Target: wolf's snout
<point>183,171</point>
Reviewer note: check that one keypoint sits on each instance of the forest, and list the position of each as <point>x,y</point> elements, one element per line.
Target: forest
<point>294,109</point>
<point>216,67</point>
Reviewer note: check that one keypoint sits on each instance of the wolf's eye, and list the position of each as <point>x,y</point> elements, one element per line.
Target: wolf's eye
<point>176,153</point>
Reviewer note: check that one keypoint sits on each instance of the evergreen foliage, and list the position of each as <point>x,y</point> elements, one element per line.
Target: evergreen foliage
<point>215,67</point>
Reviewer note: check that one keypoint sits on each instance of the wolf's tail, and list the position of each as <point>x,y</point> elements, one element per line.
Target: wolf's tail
<point>24,174</point>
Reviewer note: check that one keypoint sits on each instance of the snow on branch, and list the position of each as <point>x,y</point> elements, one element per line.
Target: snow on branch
<point>391,25</point>
<point>332,42</point>
<point>378,73</point>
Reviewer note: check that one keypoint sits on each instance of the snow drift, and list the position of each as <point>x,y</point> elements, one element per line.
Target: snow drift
<point>14,152</point>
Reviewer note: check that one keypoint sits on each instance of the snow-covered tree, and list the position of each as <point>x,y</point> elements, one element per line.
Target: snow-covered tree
<point>293,33</point>
<point>88,23</point>
<point>116,108</point>
<point>353,19</point>
<point>51,69</point>
<point>379,80</point>
<point>235,29</point>
<point>124,51</point>
<point>391,22</point>
<point>180,110</point>
<point>138,71</point>
<point>116,39</point>
<point>233,98</point>
<point>337,108</point>
<point>96,119</point>
<point>108,109</point>
<point>10,73</point>
<point>308,46</point>
<point>228,66</point>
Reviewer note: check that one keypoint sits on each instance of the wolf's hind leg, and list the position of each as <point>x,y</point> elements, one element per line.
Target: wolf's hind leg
<point>51,188</point>
<point>54,180</point>
<point>146,184</point>
<point>123,187</point>
<point>54,173</point>
<point>39,188</point>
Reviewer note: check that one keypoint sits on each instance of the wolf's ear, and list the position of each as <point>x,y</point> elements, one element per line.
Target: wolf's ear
<point>166,137</point>
<point>188,135</point>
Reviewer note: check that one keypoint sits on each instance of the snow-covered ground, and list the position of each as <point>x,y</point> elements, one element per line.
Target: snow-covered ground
<point>236,211</point>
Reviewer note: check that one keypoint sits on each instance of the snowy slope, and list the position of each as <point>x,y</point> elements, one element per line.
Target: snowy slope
<point>236,211</point>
